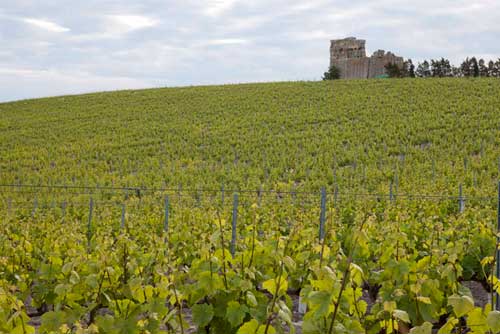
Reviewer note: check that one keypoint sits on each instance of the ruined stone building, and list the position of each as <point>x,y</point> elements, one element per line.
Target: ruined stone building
<point>349,56</point>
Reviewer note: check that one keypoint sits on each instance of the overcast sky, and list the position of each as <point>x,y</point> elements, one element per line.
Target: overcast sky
<point>55,47</point>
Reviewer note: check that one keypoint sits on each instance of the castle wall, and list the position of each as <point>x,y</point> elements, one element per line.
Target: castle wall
<point>379,60</point>
<point>353,68</point>
<point>349,55</point>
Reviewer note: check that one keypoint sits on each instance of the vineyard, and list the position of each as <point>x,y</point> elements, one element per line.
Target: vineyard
<point>305,207</point>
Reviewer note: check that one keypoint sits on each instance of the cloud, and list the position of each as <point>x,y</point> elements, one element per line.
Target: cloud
<point>39,83</point>
<point>127,23</point>
<point>216,8</point>
<point>225,41</point>
<point>56,47</point>
<point>45,24</point>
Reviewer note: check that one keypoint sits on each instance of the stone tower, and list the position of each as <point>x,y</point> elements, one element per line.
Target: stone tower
<point>349,55</point>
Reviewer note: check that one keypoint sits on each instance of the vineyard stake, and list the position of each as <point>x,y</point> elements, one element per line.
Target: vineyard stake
<point>63,206</point>
<point>165,226</point>
<point>322,216</point>
<point>396,183</point>
<point>222,194</point>
<point>433,169</point>
<point>89,226</point>
<point>122,226</point>
<point>233,224</point>
<point>198,198</point>
<point>335,196</point>
<point>391,196</point>
<point>35,206</point>
<point>461,201</point>
<point>497,301</point>
<point>259,194</point>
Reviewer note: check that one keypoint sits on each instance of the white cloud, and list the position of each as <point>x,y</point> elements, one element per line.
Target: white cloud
<point>116,26</point>
<point>38,83</point>
<point>45,24</point>
<point>216,8</point>
<point>121,43</point>
<point>127,23</point>
<point>225,41</point>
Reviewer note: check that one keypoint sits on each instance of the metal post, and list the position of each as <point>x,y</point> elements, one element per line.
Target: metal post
<point>122,226</point>
<point>396,184</point>
<point>165,226</point>
<point>222,194</point>
<point>334,173</point>
<point>433,169</point>
<point>391,196</point>
<point>259,194</point>
<point>89,226</point>
<point>335,196</point>
<point>497,302</point>
<point>233,225</point>
<point>461,201</point>
<point>63,206</point>
<point>35,207</point>
<point>198,198</point>
<point>322,215</point>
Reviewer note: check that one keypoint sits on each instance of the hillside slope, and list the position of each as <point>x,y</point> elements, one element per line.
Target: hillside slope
<point>426,135</point>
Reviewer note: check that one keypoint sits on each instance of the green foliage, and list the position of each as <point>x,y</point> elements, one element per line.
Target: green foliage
<point>412,255</point>
<point>333,73</point>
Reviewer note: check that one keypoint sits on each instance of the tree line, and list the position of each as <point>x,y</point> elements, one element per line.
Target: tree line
<point>441,68</point>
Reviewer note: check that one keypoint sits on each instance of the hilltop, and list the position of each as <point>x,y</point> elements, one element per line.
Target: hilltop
<point>427,135</point>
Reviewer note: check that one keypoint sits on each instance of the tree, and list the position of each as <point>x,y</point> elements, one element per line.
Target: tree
<point>465,68</point>
<point>491,69</point>
<point>441,68</point>
<point>474,67</point>
<point>408,69</point>
<point>423,70</point>
<point>446,68</point>
<point>393,70</point>
<point>332,74</point>
<point>496,69</point>
<point>456,72</point>
<point>483,69</point>
<point>436,68</point>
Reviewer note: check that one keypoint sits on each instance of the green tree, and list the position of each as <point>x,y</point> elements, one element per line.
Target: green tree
<point>423,70</point>
<point>465,68</point>
<point>411,69</point>
<point>474,67</point>
<point>393,70</point>
<point>408,69</point>
<point>483,68</point>
<point>332,74</point>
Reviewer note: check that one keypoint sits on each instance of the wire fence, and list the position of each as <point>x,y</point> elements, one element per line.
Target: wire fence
<point>181,192</point>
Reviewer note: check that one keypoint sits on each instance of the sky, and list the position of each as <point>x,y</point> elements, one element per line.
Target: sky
<point>58,47</point>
